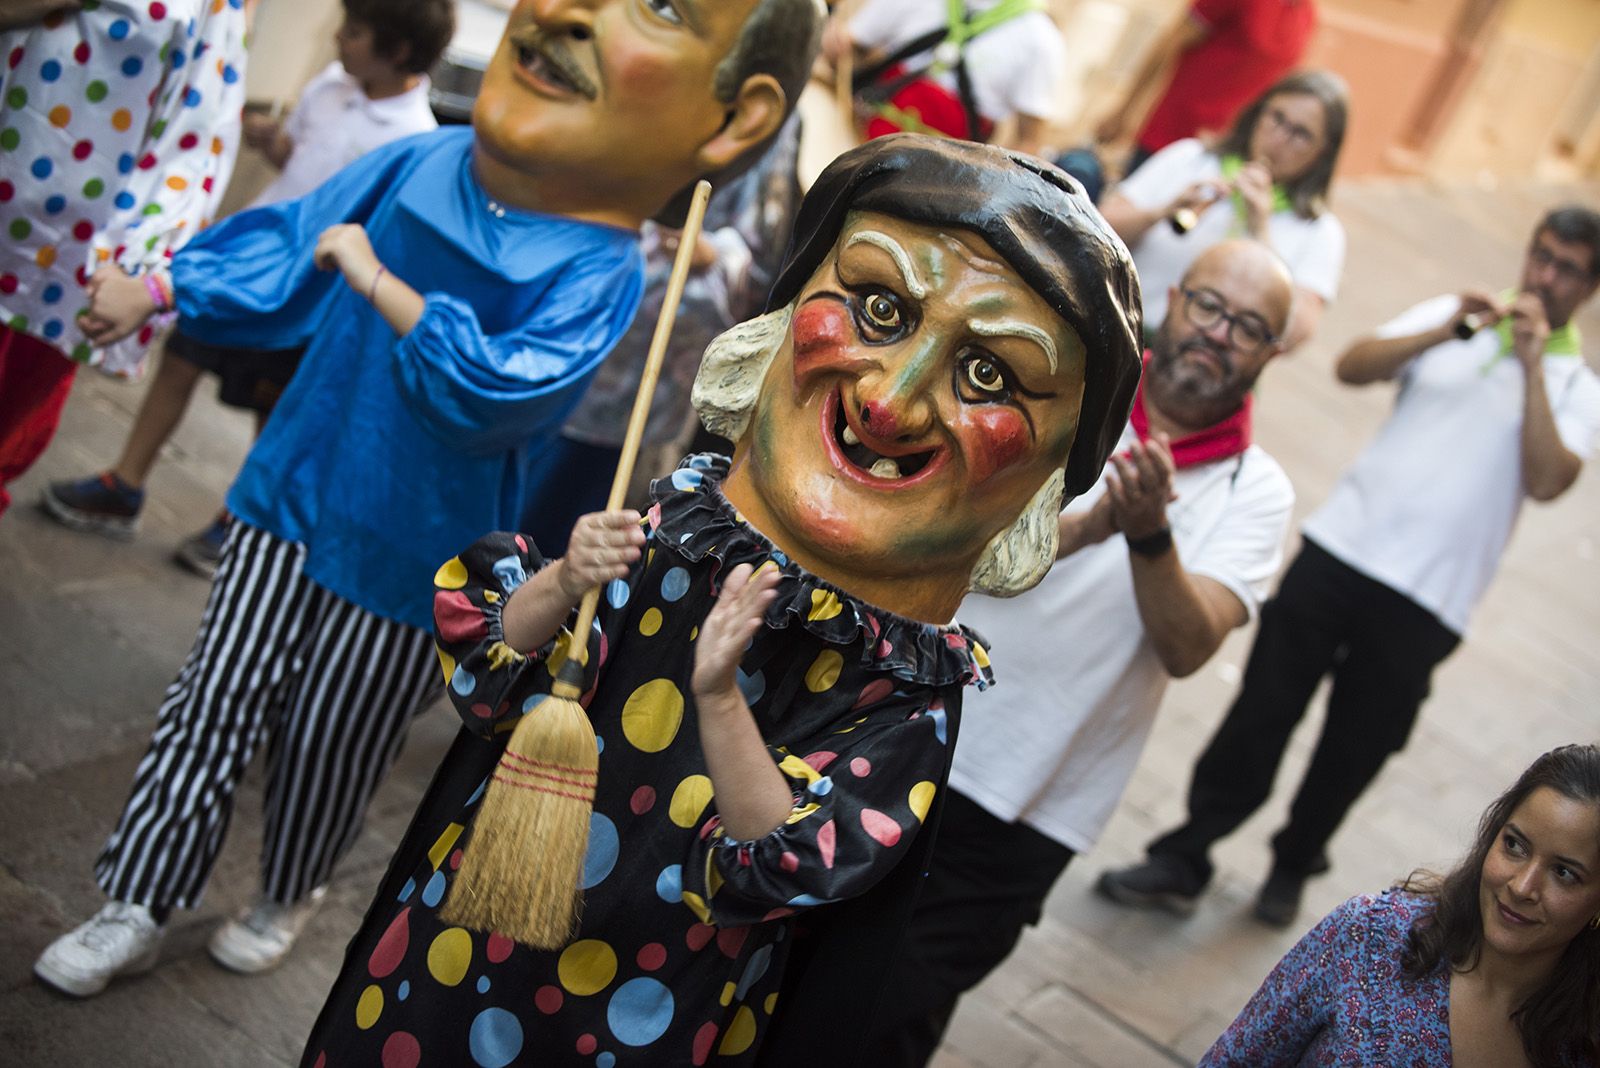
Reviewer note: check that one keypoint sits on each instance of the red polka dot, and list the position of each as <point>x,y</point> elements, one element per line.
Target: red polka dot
<point>82,149</point>
<point>703,1039</point>
<point>873,692</point>
<point>499,947</point>
<point>82,275</point>
<point>81,53</point>
<point>827,838</point>
<point>586,1044</point>
<point>207,183</point>
<point>820,760</point>
<point>482,711</point>
<point>148,161</point>
<point>322,1061</point>
<point>699,935</point>
<point>7,191</point>
<point>83,230</point>
<point>8,283</point>
<point>188,140</point>
<point>730,940</point>
<point>457,619</point>
<point>146,334</point>
<point>884,649</point>
<point>882,828</point>
<point>547,999</point>
<point>14,58</point>
<point>402,1050</point>
<point>643,800</point>
<point>777,914</point>
<point>391,948</point>
<point>789,862</point>
<point>861,767</point>
<point>652,956</point>
<point>158,11</point>
<point>455,859</point>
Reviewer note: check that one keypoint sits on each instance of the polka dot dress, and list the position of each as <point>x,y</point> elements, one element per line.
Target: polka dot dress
<point>118,129</point>
<point>686,931</point>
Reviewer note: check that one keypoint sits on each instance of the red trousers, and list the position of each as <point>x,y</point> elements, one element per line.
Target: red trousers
<point>34,381</point>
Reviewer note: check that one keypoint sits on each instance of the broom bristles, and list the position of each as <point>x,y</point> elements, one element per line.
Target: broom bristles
<point>521,868</point>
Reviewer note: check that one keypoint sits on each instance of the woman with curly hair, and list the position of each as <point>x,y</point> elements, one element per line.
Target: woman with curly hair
<point>1496,963</point>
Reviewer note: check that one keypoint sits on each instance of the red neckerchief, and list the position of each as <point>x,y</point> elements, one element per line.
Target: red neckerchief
<point>1218,442</point>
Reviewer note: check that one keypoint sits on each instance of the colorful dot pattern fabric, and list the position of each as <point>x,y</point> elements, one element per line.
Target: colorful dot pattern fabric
<point>119,124</point>
<point>685,932</point>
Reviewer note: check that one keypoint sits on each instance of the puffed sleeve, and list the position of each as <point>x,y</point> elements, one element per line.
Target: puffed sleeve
<point>488,681</point>
<point>859,800</point>
<point>486,393</point>
<point>1297,998</point>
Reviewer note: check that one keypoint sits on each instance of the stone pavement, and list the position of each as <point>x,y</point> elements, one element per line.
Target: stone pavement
<point>93,630</point>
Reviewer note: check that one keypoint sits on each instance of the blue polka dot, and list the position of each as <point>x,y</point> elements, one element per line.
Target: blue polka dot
<point>640,1011</point>
<point>759,960</point>
<point>407,890</point>
<point>236,4</point>
<point>483,982</point>
<point>49,70</point>
<point>938,718</point>
<point>685,537</point>
<point>191,99</point>
<point>51,294</point>
<point>599,744</point>
<point>669,884</point>
<point>178,60</point>
<point>462,681</point>
<point>495,1038</point>
<point>433,893</point>
<point>125,166</point>
<point>118,29</point>
<point>125,200</point>
<point>229,75</point>
<point>405,989</point>
<point>781,559</point>
<point>55,205</point>
<point>53,329</point>
<point>821,787</point>
<point>805,901</point>
<point>686,479</point>
<point>674,584</point>
<point>132,66</point>
<point>603,847</point>
<point>482,786</point>
<point>605,1060</point>
<point>616,593</point>
<point>42,167</point>
<point>508,569</point>
<point>752,686</point>
<point>700,462</point>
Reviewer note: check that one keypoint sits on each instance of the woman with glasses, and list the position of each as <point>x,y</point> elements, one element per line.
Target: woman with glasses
<point>1267,179</point>
<point>1496,963</point>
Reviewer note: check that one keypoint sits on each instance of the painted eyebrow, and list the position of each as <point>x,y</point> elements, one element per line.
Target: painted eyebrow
<point>1014,328</point>
<point>1568,861</point>
<point>902,260</point>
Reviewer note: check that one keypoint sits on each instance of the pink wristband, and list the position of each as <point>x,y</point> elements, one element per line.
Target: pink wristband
<point>157,294</point>
<point>372,288</point>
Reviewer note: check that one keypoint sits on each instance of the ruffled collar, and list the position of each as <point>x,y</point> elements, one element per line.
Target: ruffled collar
<point>692,518</point>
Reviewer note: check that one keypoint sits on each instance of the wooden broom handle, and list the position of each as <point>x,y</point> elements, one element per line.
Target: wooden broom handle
<point>647,391</point>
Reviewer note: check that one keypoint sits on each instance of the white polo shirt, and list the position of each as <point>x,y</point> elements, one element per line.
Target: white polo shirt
<point>1428,506</point>
<point>1014,67</point>
<point>1313,249</point>
<point>335,123</point>
<point>1054,743</point>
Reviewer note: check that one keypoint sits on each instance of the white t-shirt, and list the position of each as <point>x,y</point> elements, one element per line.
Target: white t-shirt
<point>1312,248</point>
<point>1054,743</point>
<point>1014,67</point>
<point>335,124</point>
<point>1428,506</point>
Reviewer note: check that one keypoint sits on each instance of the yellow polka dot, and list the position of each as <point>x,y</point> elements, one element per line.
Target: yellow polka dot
<point>102,254</point>
<point>587,967</point>
<point>443,844</point>
<point>369,1007</point>
<point>491,597</point>
<point>450,956</point>
<point>60,115</point>
<point>922,799</point>
<point>216,146</point>
<point>713,876</point>
<point>728,990</point>
<point>771,1003</point>
<point>177,183</point>
<point>447,663</point>
<point>689,800</point>
<point>741,1032</point>
<point>559,653</point>
<point>650,622</point>
<point>694,632</point>
<point>824,671</point>
<point>824,604</point>
<point>697,906</point>
<point>652,715</point>
<point>452,576</point>
<point>121,119</point>
<point>980,654</point>
<point>46,256</point>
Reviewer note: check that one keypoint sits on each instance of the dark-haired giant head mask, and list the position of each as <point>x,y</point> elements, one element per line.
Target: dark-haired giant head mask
<point>951,352</point>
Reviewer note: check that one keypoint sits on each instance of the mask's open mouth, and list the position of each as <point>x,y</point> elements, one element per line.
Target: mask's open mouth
<point>551,64</point>
<point>849,447</point>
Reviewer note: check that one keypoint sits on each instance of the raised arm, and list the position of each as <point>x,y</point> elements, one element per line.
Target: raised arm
<point>1379,359</point>
<point>1549,468</point>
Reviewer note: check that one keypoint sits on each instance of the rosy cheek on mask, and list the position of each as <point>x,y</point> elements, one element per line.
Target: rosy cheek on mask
<point>994,437</point>
<point>822,338</point>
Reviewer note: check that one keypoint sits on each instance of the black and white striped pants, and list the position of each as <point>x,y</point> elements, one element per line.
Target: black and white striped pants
<point>330,687</point>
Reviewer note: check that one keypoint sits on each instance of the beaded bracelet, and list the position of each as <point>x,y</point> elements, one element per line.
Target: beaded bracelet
<point>372,287</point>
<point>159,293</point>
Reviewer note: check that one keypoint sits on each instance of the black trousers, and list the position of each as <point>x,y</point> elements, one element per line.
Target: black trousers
<point>988,880</point>
<point>1381,648</point>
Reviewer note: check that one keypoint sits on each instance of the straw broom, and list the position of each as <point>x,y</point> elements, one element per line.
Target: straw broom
<point>520,869</point>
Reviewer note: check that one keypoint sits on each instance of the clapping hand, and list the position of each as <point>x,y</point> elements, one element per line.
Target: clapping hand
<point>726,633</point>
<point>1139,484</point>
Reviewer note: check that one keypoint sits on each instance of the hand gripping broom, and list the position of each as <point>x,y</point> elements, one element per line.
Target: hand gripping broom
<point>520,869</point>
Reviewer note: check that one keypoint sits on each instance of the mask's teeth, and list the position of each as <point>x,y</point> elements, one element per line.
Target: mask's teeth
<point>885,468</point>
<point>849,436</point>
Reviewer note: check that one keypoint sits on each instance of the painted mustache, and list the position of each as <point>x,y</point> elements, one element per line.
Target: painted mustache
<point>533,43</point>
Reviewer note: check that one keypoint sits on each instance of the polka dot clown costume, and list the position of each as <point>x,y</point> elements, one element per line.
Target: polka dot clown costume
<point>696,945</point>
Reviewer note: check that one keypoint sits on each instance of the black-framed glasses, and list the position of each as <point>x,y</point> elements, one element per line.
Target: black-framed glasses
<point>1246,331</point>
<point>1565,270</point>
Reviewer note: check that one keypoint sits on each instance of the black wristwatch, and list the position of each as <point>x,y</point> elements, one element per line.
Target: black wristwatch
<point>1151,545</point>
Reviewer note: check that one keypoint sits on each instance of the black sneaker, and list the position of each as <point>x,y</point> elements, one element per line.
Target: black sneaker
<point>100,504</point>
<point>1159,883</point>
<point>1278,903</point>
<point>202,552</point>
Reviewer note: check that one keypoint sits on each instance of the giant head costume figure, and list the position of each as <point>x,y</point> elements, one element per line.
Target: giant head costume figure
<point>951,351</point>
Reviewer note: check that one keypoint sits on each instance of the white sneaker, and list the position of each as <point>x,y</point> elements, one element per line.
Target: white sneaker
<point>120,939</point>
<point>260,937</point>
